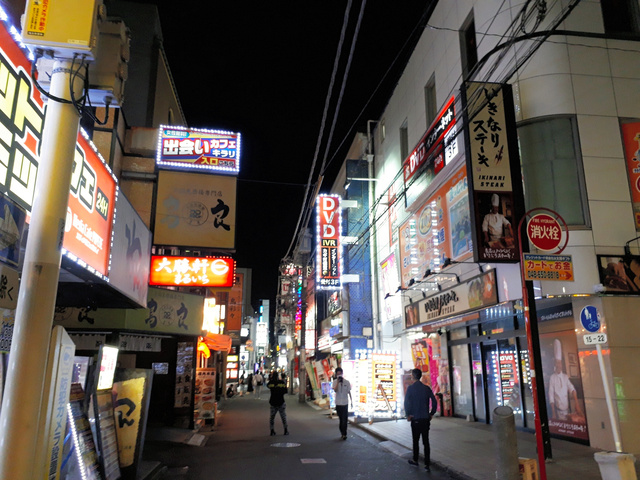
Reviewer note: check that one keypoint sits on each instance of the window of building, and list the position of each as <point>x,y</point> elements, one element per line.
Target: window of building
<point>552,168</point>
<point>404,141</point>
<point>621,16</point>
<point>431,107</point>
<point>468,47</point>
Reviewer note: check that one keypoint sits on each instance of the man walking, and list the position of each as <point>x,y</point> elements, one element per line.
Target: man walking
<point>278,387</point>
<point>416,407</point>
<point>342,387</point>
<point>259,379</point>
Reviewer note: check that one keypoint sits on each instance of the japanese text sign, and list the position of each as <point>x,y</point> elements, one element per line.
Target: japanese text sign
<point>199,149</point>
<point>548,267</point>
<point>192,271</point>
<point>93,186</point>
<point>544,232</point>
<point>631,137</point>
<point>195,210</point>
<point>329,248</point>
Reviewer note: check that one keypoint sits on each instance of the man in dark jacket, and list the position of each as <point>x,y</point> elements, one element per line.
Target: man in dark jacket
<point>416,407</point>
<point>278,387</point>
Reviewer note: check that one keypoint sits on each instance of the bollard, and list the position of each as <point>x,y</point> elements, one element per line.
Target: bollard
<point>506,442</point>
<point>616,466</point>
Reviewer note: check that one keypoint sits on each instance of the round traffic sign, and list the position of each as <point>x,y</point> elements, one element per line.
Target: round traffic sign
<point>544,232</point>
<point>590,318</point>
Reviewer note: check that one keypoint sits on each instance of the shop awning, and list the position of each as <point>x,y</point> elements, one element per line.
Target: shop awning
<point>219,342</point>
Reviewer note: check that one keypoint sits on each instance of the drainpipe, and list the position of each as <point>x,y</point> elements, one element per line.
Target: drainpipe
<point>373,243</point>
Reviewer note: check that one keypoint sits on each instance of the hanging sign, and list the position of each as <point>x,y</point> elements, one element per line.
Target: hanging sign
<point>544,232</point>
<point>548,267</point>
<point>192,271</point>
<point>329,248</point>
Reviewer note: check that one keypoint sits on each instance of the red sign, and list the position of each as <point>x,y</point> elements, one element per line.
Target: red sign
<point>329,228</point>
<point>631,137</point>
<point>192,271</point>
<point>442,124</point>
<point>544,232</point>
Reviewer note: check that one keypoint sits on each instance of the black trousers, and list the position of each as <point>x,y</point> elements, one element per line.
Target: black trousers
<point>343,414</point>
<point>420,427</point>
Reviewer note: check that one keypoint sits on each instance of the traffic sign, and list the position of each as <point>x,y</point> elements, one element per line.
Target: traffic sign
<point>595,338</point>
<point>590,318</point>
<point>544,232</point>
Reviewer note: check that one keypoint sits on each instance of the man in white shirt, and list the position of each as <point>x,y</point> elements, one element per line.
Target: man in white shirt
<point>342,387</point>
<point>561,390</point>
<point>495,225</point>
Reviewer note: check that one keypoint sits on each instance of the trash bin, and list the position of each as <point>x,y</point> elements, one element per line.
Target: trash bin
<point>616,466</point>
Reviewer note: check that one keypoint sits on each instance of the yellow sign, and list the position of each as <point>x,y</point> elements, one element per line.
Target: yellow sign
<point>195,210</point>
<point>37,14</point>
<point>548,267</point>
<point>128,402</point>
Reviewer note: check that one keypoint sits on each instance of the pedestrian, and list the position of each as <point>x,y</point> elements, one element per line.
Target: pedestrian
<point>278,387</point>
<point>240,385</point>
<point>259,380</point>
<point>416,407</point>
<point>250,383</point>
<point>342,387</point>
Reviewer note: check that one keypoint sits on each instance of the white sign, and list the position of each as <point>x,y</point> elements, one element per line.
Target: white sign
<point>595,338</point>
<point>262,334</point>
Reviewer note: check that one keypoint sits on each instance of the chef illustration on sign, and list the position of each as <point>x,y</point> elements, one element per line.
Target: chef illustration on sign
<point>561,390</point>
<point>496,228</point>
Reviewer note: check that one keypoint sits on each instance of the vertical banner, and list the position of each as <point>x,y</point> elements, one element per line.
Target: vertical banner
<point>631,138</point>
<point>492,160</point>
<point>128,405</point>
<point>329,248</point>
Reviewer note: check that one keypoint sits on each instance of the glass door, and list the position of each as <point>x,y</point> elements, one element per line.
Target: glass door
<point>508,360</point>
<point>477,378</point>
<point>492,371</point>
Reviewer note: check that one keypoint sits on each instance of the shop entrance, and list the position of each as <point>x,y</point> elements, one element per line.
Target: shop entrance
<point>501,367</point>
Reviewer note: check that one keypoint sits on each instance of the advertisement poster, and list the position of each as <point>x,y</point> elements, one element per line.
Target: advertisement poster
<point>184,372</point>
<point>490,156</point>
<point>631,138</point>
<point>619,274</point>
<point>195,210</point>
<point>234,309</point>
<point>328,243</point>
<point>205,393</point>
<point>128,396</point>
<point>384,378</point>
<point>85,463</point>
<point>440,229</point>
<point>12,221</point>
<point>563,384</point>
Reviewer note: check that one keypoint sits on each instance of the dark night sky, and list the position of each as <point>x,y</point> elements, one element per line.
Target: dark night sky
<point>263,69</point>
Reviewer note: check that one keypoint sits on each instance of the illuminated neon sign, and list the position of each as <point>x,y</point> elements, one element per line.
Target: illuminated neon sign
<point>193,148</point>
<point>329,247</point>
<point>192,271</point>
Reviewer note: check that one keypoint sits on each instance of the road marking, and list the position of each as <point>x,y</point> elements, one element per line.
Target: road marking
<point>285,445</point>
<point>313,460</point>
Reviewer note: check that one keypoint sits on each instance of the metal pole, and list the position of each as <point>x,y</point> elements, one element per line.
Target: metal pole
<point>534,379</point>
<point>19,418</point>
<point>607,396</point>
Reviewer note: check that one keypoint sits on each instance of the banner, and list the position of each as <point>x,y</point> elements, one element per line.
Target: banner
<point>631,139</point>
<point>128,405</point>
<point>195,210</point>
<point>329,248</point>
<point>492,161</point>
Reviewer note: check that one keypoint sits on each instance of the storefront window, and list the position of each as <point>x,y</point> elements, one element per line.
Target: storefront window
<point>462,396</point>
<point>478,382</point>
<point>510,378</point>
<point>525,368</point>
<point>458,333</point>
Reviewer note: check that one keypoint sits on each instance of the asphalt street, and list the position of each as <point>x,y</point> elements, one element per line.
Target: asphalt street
<point>240,447</point>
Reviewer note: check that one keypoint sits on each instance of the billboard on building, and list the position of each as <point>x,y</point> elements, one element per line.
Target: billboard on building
<point>173,271</point>
<point>439,229</point>
<point>631,138</point>
<point>198,149</point>
<point>328,246</point>
<point>195,210</point>
<point>236,301</point>
<point>93,186</point>
<point>493,160</point>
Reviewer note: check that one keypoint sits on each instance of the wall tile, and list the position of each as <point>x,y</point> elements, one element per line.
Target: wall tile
<point>594,95</point>
<point>606,179</point>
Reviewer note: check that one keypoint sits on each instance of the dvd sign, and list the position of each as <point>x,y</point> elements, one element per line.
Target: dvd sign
<point>329,248</point>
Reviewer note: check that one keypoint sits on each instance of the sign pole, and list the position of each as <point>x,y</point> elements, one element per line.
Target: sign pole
<point>607,396</point>
<point>19,418</point>
<point>543,442</point>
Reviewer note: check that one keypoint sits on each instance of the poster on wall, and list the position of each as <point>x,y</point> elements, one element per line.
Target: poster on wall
<point>492,159</point>
<point>631,139</point>
<point>205,393</point>
<point>184,373</point>
<point>389,284</point>
<point>440,228</point>
<point>619,274</point>
<point>563,384</point>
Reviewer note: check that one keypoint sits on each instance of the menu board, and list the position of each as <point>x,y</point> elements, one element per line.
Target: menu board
<point>184,375</point>
<point>383,369</point>
<point>85,457</point>
<point>205,393</point>
<point>107,435</point>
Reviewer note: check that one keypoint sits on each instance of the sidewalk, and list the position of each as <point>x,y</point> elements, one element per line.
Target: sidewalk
<point>467,449</point>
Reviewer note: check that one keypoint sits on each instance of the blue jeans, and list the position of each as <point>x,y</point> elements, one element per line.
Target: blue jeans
<point>283,415</point>
<point>343,414</point>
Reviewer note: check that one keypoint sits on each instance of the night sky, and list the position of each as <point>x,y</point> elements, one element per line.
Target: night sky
<point>263,69</point>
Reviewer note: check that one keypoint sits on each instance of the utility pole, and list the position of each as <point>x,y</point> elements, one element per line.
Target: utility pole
<point>19,418</point>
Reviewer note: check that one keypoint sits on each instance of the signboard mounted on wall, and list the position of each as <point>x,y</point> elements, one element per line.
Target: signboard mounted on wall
<point>329,248</point>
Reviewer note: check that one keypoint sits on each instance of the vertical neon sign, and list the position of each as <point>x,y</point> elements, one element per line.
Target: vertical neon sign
<point>329,247</point>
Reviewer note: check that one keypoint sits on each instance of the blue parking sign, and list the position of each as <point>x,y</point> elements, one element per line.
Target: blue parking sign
<point>590,318</point>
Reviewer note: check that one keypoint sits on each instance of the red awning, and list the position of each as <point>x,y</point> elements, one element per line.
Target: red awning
<point>219,342</point>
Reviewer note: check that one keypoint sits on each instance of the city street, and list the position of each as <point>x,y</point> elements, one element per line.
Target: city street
<point>240,447</point>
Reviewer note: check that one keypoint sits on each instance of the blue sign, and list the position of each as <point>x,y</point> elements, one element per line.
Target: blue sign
<point>590,319</point>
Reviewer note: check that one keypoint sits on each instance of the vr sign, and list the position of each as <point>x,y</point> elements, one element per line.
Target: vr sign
<point>328,248</point>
